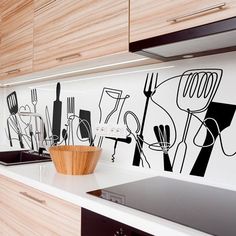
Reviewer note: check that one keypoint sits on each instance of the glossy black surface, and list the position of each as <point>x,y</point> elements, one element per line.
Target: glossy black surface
<point>21,157</point>
<point>205,208</point>
<point>94,224</point>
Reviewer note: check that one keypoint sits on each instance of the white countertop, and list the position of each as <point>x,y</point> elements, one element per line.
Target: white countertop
<point>43,176</point>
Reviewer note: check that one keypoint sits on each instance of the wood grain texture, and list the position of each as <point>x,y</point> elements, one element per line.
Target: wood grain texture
<point>151,17</point>
<point>16,37</point>
<point>75,160</point>
<point>88,28</point>
<point>22,215</point>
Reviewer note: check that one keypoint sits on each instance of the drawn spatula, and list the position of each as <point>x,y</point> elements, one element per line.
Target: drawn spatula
<point>85,126</point>
<point>56,120</point>
<point>223,115</point>
<point>13,108</point>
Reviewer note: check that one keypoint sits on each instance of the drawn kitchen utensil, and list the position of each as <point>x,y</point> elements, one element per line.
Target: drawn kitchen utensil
<point>9,133</point>
<point>64,135</point>
<point>196,90</point>
<point>108,105</point>
<point>148,90</point>
<point>70,118</point>
<point>85,125</point>
<point>163,137</point>
<point>26,120</point>
<point>48,122</point>
<point>56,120</point>
<point>133,127</point>
<point>217,118</point>
<point>31,136</point>
<point>13,108</point>
<point>34,101</point>
<point>122,140</point>
<point>44,133</point>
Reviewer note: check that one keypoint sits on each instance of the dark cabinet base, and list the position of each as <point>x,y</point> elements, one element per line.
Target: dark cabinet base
<point>95,224</point>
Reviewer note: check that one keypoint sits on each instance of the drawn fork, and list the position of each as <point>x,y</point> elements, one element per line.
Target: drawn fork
<point>34,101</point>
<point>148,90</point>
<point>70,117</point>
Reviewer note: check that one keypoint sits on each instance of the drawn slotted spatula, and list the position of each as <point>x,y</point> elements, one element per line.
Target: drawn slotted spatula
<point>56,120</point>
<point>12,104</point>
<point>196,90</point>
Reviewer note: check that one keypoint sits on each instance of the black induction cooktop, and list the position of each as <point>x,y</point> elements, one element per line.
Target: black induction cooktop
<point>205,208</point>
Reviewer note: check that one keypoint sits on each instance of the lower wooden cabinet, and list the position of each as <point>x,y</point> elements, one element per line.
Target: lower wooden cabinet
<point>28,212</point>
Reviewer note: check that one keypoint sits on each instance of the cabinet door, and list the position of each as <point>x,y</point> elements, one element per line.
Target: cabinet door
<point>68,31</point>
<point>106,226</point>
<point>16,37</point>
<point>26,211</point>
<point>156,17</point>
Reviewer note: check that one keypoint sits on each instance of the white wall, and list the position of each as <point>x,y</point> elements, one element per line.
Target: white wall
<point>87,92</point>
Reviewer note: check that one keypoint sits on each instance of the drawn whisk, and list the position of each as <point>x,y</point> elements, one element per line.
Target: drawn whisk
<point>163,137</point>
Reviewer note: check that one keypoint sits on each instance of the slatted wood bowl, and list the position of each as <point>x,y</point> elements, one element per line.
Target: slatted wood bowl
<point>75,160</point>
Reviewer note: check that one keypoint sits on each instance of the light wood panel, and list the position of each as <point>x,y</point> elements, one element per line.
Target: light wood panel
<point>26,211</point>
<point>67,31</point>
<point>151,18</point>
<point>16,37</point>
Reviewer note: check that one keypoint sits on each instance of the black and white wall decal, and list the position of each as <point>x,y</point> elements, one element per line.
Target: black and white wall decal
<point>162,133</point>
<point>148,90</point>
<point>218,118</point>
<point>13,121</point>
<point>56,118</point>
<point>179,118</point>
<point>196,90</point>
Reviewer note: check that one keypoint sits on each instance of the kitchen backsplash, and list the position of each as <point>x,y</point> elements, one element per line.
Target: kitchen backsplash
<point>179,116</point>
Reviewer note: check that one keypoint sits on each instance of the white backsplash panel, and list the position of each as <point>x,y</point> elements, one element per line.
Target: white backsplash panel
<point>179,116</point>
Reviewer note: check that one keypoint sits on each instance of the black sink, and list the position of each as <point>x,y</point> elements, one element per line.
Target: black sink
<point>22,157</point>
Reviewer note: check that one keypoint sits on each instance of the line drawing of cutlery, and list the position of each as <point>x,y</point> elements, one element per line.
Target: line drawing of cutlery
<point>217,118</point>
<point>9,133</point>
<point>70,118</point>
<point>48,125</point>
<point>56,120</point>
<point>64,135</point>
<point>133,127</point>
<point>163,137</point>
<point>148,90</point>
<point>195,91</point>
<point>13,108</point>
<point>34,101</point>
<point>31,136</point>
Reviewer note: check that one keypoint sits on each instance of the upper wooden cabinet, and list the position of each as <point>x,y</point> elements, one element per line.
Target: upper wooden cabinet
<point>157,17</point>
<point>67,31</point>
<point>16,37</point>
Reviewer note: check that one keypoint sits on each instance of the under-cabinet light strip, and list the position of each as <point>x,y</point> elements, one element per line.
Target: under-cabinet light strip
<point>70,73</point>
<point>108,75</point>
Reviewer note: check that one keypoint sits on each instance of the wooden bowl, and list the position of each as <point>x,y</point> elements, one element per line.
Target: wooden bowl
<point>75,160</point>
